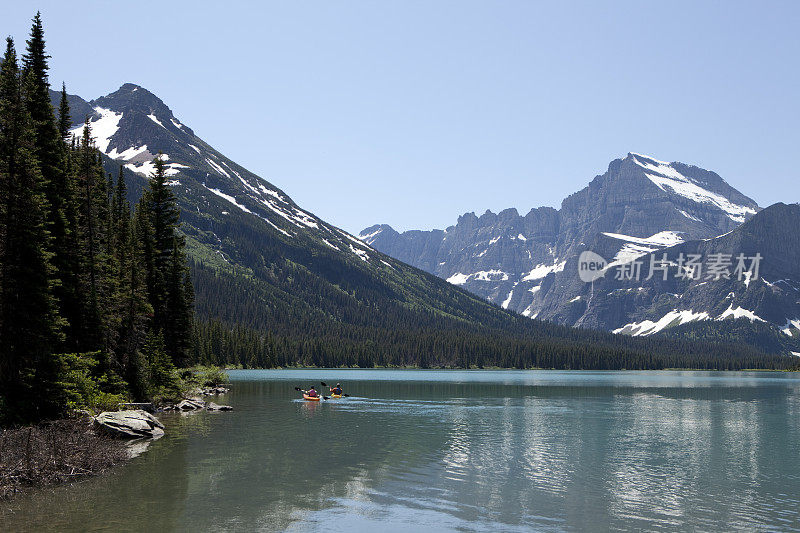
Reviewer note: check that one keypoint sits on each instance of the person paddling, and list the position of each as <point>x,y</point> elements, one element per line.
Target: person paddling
<point>312,392</point>
<point>337,390</point>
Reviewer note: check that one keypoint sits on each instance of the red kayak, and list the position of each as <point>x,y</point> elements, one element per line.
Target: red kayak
<point>311,398</point>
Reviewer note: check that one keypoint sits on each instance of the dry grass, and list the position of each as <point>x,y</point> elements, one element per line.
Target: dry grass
<point>54,452</point>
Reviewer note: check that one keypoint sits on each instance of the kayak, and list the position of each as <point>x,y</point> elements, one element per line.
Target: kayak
<point>336,395</point>
<point>311,398</point>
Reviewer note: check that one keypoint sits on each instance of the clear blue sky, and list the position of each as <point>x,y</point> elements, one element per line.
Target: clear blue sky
<point>413,112</point>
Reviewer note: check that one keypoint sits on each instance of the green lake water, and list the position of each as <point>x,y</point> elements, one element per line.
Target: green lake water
<point>458,451</point>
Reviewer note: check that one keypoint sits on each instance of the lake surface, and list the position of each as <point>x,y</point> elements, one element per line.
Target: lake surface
<point>458,451</point>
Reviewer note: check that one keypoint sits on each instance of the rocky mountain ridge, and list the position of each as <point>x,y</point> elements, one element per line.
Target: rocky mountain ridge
<point>639,206</point>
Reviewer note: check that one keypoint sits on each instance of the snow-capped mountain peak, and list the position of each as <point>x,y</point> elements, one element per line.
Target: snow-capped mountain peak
<point>641,205</point>
<point>133,126</point>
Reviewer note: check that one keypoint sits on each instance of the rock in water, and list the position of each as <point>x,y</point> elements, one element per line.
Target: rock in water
<point>215,407</point>
<point>190,405</point>
<point>130,423</point>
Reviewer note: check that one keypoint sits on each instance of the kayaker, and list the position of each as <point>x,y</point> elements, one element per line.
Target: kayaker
<point>312,392</point>
<point>337,389</point>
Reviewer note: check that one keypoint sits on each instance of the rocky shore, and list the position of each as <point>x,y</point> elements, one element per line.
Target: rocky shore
<point>63,451</point>
<point>60,451</point>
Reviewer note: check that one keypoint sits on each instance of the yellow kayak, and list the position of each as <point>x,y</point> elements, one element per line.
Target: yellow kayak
<point>336,395</point>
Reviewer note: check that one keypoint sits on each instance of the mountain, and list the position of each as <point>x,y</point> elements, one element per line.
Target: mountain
<point>240,224</point>
<point>276,285</point>
<point>762,309</point>
<point>529,264</point>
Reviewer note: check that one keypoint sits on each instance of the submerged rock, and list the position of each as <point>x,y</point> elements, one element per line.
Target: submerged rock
<point>215,407</point>
<point>131,424</point>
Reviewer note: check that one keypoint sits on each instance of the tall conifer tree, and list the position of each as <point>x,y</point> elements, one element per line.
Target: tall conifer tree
<point>51,153</point>
<point>64,118</point>
<point>29,327</point>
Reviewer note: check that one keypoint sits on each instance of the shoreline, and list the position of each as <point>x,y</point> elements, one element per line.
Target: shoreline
<point>69,450</point>
<point>55,452</point>
<point>498,369</point>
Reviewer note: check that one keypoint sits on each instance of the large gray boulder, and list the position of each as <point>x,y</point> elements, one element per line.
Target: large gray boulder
<point>130,424</point>
<point>192,404</point>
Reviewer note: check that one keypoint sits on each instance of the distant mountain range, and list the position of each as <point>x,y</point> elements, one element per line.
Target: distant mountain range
<point>641,207</point>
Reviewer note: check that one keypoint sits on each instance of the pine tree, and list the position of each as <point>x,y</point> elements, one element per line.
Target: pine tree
<point>90,249</point>
<point>64,118</point>
<point>164,216</point>
<point>67,249</point>
<point>97,279</point>
<point>178,323</point>
<point>30,325</point>
<point>131,305</point>
<point>49,148</point>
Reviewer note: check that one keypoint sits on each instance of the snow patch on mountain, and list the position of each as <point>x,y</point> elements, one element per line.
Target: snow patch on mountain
<point>221,171</point>
<point>458,278</point>
<point>482,275</point>
<point>270,192</point>
<point>636,247</point>
<point>791,326</point>
<point>673,318</point>
<point>360,253</point>
<point>629,252</point>
<point>507,301</point>
<point>128,153</point>
<point>229,198</point>
<point>739,312</point>
<point>244,208</point>
<point>687,215</point>
<point>490,275</point>
<point>102,128</point>
<point>350,237</point>
<point>667,178</point>
<point>541,271</point>
<point>528,312</point>
<point>662,238</point>
<point>155,119</point>
<point>148,168</point>
<point>369,238</point>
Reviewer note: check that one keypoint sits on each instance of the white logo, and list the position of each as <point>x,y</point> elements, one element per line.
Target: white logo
<point>591,266</point>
